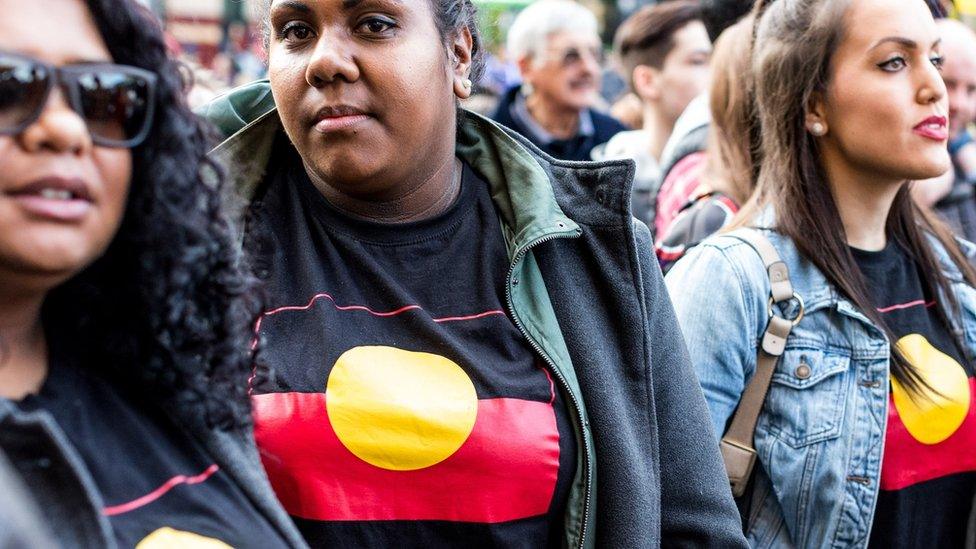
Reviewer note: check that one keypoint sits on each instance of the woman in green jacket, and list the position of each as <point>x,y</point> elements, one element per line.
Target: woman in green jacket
<point>468,342</point>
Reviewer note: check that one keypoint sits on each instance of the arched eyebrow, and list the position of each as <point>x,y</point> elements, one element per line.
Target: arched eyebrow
<point>907,42</point>
<point>293,5</point>
<point>349,5</point>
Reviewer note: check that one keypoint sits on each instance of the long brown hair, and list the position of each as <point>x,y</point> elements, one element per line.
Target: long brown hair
<point>791,63</point>
<point>733,139</point>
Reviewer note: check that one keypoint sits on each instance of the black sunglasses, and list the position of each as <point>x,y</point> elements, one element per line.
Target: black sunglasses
<point>115,101</point>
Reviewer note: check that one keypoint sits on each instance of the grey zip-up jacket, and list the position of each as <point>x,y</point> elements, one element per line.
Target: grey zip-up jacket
<point>585,290</point>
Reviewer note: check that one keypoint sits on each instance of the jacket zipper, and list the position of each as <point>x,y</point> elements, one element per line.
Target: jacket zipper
<point>552,367</point>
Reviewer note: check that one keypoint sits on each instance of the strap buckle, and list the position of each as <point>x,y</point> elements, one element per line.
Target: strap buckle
<point>739,461</point>
<point>799,315</point>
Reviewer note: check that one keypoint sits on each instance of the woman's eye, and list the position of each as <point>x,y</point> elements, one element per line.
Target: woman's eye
<point>295,32</point>
<point>376,26</point>
<point>893,64</point>
<point>938,61</point>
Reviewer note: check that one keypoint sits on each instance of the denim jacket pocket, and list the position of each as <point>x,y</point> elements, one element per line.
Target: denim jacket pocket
<point>807,397</point>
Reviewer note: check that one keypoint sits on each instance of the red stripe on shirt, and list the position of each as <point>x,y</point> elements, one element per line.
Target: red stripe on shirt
<point>909,305</point>
<point>160,492</point>
<point>506,469</point>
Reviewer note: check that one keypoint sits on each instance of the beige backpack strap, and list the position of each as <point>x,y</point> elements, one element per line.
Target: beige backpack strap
<point>737,446</point>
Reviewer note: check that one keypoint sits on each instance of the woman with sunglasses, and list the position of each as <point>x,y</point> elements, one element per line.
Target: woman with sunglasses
<point>468,342</point>
<point>866,435</point>
<point>124,319</point>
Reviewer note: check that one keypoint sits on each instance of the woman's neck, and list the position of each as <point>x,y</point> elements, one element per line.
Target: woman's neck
<point>429,196</point>
<point>23,349</point>
<point>658,128</point>
<point>863,202</point>
<point>560,122</point>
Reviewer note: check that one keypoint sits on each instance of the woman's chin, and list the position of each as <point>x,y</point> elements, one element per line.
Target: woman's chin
<point>935,165</point>
<point>51,259</point>
<point>352,171</point>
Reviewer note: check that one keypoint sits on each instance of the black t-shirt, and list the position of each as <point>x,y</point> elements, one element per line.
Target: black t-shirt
<point>158,485</point>
<point>397,404</point>
<point>928,474</point>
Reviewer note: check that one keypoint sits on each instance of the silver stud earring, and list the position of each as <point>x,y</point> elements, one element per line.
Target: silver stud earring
<point>818,129</point>
<point>466,83</point>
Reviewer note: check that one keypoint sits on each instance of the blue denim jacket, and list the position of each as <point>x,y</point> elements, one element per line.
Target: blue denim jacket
<point>821,433</point>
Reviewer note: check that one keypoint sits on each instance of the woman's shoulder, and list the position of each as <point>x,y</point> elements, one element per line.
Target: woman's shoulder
<point>732,261</point>
<point>734,245</point>
<point>721,260</point>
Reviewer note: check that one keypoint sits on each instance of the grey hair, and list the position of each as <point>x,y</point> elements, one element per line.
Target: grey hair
<point>532,27</point>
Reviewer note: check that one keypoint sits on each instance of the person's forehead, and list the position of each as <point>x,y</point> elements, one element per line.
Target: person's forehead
<point>76,37</point>
<point>958,45</point>
<point>565,39</point>
<point>692,36</point>
<point>310,6</point>
<point>960,62</point>
<point>868,21</point>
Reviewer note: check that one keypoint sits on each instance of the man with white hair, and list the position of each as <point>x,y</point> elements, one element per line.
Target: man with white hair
<point>958,208</point>
<point>558,51</point>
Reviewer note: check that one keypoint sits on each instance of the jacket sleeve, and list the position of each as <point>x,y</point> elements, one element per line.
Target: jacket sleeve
<point>717,316</point>
<point>21,523</point>
<point>697,509</point>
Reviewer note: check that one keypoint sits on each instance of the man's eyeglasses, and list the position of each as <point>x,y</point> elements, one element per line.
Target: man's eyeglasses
<point>572,56</point>
<point>115,101</point>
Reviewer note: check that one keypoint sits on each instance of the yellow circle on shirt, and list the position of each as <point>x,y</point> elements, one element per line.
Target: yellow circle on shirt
<point>933,416</point>
<point>400,410</point>
<point>168,538</point>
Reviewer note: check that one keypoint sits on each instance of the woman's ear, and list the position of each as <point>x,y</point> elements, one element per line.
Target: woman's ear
<point>461,55</point>
<point>816,117</point>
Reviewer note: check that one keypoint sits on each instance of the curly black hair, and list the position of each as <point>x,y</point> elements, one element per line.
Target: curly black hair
<point>167,312</point>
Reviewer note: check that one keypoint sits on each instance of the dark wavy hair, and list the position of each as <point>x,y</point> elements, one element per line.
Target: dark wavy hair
<point>166,312</point>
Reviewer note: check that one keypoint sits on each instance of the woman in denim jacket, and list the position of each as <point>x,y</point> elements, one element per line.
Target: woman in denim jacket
<point>867,431</point>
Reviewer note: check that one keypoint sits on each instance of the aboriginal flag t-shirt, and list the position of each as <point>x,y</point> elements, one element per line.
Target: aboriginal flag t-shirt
<point>396,402</point>
<point>928,474</point>
<point>158,485</point>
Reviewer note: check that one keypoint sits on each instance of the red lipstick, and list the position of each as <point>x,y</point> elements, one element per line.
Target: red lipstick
<point>934,128</point>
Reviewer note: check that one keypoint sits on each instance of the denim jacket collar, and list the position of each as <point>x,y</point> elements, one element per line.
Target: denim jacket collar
<point>817,292</point>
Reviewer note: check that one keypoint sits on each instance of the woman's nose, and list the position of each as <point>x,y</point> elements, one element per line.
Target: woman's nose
<point>933,88</point>
<point>331,60</point>
<point>58,129</point>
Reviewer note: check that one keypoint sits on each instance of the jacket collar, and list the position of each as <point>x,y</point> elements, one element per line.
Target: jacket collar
<point>529,211</point>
